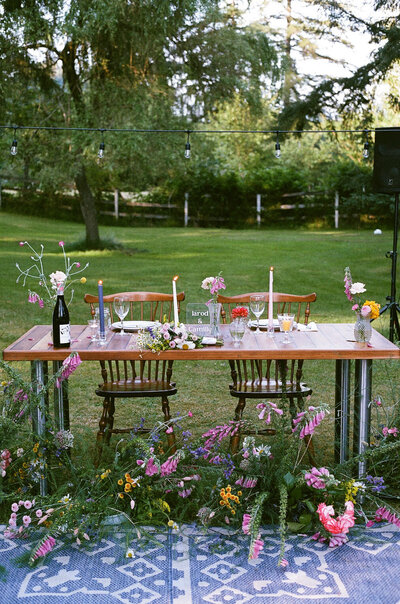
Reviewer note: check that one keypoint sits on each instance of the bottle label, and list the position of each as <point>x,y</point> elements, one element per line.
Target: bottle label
<point>65,334</point>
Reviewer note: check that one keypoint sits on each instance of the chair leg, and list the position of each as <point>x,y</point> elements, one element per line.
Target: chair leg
<point>103,424</point>
<point>167,417</point>
<point>110,420</point>
<point>235,440</point>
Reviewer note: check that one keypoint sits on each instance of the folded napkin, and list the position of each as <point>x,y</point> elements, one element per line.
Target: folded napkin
<point>310,327</point>
<point>209,341</point>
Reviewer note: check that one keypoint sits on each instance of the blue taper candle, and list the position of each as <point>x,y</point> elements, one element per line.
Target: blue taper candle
<point>101,308</point>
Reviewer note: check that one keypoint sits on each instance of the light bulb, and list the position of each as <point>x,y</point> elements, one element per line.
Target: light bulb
<point>277,150</point>
<point>14,149</point>
<point>100,154</point>
<point>366,151</point>
<point>187,151</point>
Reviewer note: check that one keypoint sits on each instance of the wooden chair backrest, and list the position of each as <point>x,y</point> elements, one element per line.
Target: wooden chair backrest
<point>290,303</point>
<point>144,306</point>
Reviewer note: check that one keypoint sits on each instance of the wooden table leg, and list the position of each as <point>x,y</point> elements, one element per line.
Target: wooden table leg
<point>362,411</point>
<point>342,410</point>
<point>39,374</point>
<point>61,402</point>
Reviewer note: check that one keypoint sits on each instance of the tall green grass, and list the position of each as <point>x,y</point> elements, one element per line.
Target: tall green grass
<point>304,261</point>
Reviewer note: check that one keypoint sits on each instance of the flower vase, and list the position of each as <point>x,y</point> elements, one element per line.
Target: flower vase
<point>215,314</point>
<point>362,329</point>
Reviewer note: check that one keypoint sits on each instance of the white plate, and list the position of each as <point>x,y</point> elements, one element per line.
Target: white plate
<point>132,325</point>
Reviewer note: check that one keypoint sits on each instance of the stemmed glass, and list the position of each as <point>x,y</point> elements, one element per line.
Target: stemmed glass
<point>257,305</point>
<point>286,325</point>
<point>121,307</point>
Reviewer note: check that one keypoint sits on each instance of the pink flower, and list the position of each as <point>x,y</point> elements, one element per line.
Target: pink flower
<point>70,364</point>
<point>14,507</point>
<point>61,243</point>
<point>283,563</point>
<point>78,264</point>
<point>190,414</point>
<point>172,344</point>
<point>370,523</point>
<point>169,430</point>
<point>169,466</point>
<point>39,513</point>
<point>246,523</point>
<point>151,467</point>
<point>21,243</point>
<point>28,504</point>
<point>339,525</point>
<point>365,310</point>
<point>257,548</point>
<point>355,307</point>
<point>26,520</point>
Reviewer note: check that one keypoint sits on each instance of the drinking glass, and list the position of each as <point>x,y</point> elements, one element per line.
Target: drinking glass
<point>257,305</point>
<point>286,325</point>
<point>94,327</point>
<point>237,329</point>
<point>121,307</point>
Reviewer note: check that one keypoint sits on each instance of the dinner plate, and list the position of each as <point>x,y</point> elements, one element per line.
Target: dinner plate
<point>132,325</point>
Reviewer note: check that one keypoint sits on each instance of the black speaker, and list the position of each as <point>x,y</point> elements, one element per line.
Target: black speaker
<point>386,176</point>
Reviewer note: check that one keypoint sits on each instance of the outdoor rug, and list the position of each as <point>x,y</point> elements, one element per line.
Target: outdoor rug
<point>195,567</point>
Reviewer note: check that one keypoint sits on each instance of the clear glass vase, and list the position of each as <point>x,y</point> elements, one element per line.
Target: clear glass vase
<point>215,315</point>
<point>237,328</point>
<point>362,329</point>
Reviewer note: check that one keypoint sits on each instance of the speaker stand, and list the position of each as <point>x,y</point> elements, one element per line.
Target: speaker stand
<point>392,305</point>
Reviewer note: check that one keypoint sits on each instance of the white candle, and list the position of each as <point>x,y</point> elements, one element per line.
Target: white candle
<point>175,300</point>
<point>271,299</point>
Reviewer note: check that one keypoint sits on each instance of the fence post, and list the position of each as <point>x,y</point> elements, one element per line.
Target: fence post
<point>116,203</point>
<point>336,209</point>
<point>186,210</point>
<point>258,209</point>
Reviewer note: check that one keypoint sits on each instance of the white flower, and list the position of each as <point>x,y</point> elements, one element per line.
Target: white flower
<point>129,553</point>
<point>66,499</point>
<point>207,282</point>
<point>357,288</point>
<point>57,278</point>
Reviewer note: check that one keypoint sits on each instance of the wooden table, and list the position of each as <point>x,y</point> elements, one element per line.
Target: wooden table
<point>332,341</point>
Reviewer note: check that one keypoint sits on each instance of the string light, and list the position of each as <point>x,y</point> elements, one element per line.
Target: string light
<point>187,146</point>
<point>14,145</point>
<point>277,146</point>
<point>102,146</point>
<point>366,145</point>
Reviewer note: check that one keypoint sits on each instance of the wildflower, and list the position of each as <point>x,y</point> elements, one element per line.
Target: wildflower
<point>246,523</point>
<point>151,467</point>
<point>20,452</point>
<point>256,548</point>
<point>315,478</point>
<point>377,482</point>
<point>82,279</point>
<point>69,365</point>
<point>169,430</point>
<point>27,504</point>
<point>383,513</point>
<point>132,504</point>
<point>357,288</point>
<point>169,466</point>
<point>129,553</point>
<point>39,513</point>
<point>26,520</point>
<point>339,525</point>
<point>283,563</point>
<point>14,507</point>
<point>44,547</point>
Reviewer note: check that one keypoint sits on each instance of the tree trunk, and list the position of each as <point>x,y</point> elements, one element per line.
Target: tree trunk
<point>88,209</point>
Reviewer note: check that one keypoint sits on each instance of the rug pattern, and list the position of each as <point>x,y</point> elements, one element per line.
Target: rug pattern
<point>197,567</point>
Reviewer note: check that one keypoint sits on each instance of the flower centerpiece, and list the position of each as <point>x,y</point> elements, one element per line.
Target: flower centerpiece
<point>49,283</point>
<point>213,285</point>
<point>366,311</point>
<point>164,336</point>
<point>237,326</point>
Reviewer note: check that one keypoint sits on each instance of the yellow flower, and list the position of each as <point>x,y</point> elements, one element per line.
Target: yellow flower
<point>127,487</point>
<point>120,482</point>
<point>83,279</point>
<point>121,495</point>
<point>374,308</point>
<point>170,523</point>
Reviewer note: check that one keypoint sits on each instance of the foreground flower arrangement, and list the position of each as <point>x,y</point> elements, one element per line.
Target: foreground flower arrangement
<point>369,308</point>
<point>142,482</point>
<point>166,336</point>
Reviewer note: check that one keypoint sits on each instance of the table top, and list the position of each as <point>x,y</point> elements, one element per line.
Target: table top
<point>331,341</point>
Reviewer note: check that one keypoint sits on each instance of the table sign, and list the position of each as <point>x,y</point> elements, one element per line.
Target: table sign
<point>271,303</point>
<point>101,308</point>
<point>198,317</point>
<point>175,300</point>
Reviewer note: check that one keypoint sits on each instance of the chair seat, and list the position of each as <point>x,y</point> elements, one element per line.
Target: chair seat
<point>267,388</point>
<point>132,388</point>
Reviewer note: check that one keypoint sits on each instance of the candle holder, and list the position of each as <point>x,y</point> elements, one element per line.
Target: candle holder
<point>271,331</point>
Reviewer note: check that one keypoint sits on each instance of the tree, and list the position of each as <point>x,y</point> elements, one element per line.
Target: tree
<point>121,64</point>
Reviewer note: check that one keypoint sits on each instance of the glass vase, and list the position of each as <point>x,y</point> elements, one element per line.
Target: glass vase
<point>215,315</point>
<point>362,329</point>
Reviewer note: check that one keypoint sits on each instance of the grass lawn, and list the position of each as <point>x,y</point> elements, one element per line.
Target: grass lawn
<point>304,261</point>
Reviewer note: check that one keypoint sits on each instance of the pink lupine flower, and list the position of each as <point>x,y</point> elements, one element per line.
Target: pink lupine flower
<point>70,364</point>
<point>45,548</point>
<point>239,481</point>
<point>383,513</point>
<point>340,524</point>
<point>249,483</point>
<point>257,548</point>
<point>151,467</point>
<point>169,466</point>
<point>246,523</point>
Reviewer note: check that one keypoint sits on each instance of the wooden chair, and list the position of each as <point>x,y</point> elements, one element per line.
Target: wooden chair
<point>135,379</point>
<point>268,379</point>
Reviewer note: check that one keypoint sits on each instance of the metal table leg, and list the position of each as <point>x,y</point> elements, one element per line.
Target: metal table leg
<point>61,402</point>
<point>39,374</point>
<point>342,410</point>
<point>362,410</point>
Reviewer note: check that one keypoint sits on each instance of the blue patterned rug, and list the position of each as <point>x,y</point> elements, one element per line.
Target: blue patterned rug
<point>197,567</point>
